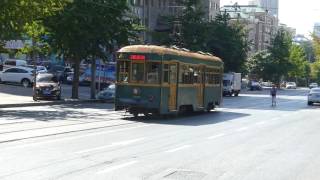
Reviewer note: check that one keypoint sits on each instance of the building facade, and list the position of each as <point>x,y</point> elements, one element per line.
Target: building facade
<point>316,29</point>
<point>151,13</point>
<point>272,6</point>
<point>261,27</point>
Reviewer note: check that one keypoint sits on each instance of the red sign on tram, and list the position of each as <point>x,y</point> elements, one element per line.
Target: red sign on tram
<point>136,57</point>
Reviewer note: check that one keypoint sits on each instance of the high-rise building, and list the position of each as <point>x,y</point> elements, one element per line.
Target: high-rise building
<point>152,12</point>
<point>316,29</point>
<point>260,25</point>
<point>272,6</point>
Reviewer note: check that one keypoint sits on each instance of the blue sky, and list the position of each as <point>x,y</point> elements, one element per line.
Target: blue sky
<point>295,13</point>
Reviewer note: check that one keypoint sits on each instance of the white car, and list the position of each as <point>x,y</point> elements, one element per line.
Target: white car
<point>22,75</point>
<point>291,85</point>
<point>314,96</point>
<point>40,69</point>
<point>313,85</point>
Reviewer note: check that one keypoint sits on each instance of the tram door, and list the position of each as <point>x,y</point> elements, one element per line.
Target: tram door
<point>173,86</point>
<point>200,86</point>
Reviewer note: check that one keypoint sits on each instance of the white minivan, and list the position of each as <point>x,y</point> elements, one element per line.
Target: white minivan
<point>13,63</point>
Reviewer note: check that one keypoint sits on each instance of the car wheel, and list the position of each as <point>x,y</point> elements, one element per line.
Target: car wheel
<point>310,103</point>
<point>59,97</point>
<point>25,83</point>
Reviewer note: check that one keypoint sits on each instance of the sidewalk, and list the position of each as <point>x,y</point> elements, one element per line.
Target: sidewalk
<point>11,101</point>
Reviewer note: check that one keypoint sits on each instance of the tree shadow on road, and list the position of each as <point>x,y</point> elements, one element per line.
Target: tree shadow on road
<point>71,112</point>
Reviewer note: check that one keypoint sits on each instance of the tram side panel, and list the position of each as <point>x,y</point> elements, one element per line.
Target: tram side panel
<point>138,98</point>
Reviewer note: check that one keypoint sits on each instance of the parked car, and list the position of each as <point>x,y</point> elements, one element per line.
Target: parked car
<point>313,85</point>
<point>291,85</point>
<point>13,63</point>
<point>314,96</point>
<point>83,79</point>
<point>107,93</point>
<point>22,75</point>
<point>254,85</point>
<point>60,71</point>
<point>47,86</point>
<point>40,69</point>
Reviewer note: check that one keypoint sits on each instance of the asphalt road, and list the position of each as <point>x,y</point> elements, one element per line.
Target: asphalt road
<point>245,139</point>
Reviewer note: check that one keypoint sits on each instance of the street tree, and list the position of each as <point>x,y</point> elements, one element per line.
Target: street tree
<point>16,14</point>
<point>298,60</point>
<point>228,41</point>
<point>220,36</point>
<point>280,55</point>
<point>260,66</point>
<point>316,46</point>
<point>86,29</point>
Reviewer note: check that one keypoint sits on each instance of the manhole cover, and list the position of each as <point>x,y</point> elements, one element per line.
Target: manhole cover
<point>185,175</point>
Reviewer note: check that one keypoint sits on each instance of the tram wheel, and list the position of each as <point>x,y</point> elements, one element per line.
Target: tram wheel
<point>135,114</point>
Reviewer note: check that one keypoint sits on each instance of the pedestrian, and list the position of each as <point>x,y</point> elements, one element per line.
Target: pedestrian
<point>273,93</point>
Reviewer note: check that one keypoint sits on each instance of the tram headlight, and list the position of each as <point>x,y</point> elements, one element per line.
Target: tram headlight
<point>136,91</point>
<point>150,98</point>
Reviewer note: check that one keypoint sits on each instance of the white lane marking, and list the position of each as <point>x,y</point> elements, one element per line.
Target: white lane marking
<point>122,143</point>
<point>72,138</point>
<point>216,136</point>
<point>261,123</point>
<point>178,148</point>
<point>117,167</point>
<point>242,129</point>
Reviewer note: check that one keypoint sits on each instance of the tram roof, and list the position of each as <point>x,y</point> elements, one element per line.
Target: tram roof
<point>152,49</point>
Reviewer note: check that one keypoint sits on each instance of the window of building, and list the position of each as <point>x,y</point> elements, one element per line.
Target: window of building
<point>153,73</point>
<point>137,72</point>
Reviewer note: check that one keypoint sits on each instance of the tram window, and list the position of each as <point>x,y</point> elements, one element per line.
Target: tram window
<point>153,70</point>
<point>217,79</point>
<point>124,67</point>
<point>166,73</point>
<point>137,72</point>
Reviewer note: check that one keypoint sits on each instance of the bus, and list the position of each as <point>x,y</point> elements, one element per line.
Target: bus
<point>156,80</point>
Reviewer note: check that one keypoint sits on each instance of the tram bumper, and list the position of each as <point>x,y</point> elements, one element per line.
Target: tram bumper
<point>139,105</point>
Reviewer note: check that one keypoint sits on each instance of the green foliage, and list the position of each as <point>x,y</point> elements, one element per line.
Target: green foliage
<point>228,41</point>
<point>280,54</point>
<point>316,47</point>
<point>315,71</point>
<point>15,14</point>
<point>260,66</point>
<point>86,29</point>
<point>220,37</point>
<point>298,62</point>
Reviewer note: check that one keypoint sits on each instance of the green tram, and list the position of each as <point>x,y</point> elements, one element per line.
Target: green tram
<point>160,80</point>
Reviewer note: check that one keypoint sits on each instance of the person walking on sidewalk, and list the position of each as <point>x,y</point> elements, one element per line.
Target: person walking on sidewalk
<point>273,93</point>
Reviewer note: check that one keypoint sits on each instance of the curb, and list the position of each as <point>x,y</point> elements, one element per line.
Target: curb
<point>65,101</point>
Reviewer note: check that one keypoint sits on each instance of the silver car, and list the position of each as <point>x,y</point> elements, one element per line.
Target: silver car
<point>314,96</point>
<point>108,93</point>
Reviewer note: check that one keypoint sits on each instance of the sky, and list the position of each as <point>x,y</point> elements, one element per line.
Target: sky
<point>298,14</point>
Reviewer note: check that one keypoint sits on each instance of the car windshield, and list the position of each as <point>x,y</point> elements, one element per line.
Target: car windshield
<point>315,91</point>
<point>47,78</point>
<point>226,82</point>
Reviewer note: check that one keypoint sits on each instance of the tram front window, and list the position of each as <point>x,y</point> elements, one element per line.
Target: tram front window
<point>123,69</point>
<point>137,72</point>
<point>153,71</point>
